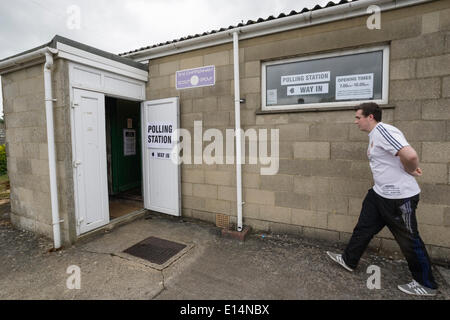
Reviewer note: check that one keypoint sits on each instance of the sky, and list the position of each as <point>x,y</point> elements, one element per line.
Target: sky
<point>119,26</point>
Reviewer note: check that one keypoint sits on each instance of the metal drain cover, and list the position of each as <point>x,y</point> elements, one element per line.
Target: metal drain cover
<point>155,250</point>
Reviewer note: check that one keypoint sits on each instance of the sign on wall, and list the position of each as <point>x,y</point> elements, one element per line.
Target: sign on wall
<point>194,78</point>
<point>159,135</point>
<point>328,79</point>
<point>129,142</point>
<point>272,96</point>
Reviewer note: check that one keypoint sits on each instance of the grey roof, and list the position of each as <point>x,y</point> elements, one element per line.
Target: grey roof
<point>81,46</point>
<point>249,22</point>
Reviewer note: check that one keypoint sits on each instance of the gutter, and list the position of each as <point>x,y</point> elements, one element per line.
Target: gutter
<point>298,21</point>
<point>27,59</point>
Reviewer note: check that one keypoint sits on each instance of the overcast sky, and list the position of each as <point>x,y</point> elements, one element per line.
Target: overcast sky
<point>123,25</point>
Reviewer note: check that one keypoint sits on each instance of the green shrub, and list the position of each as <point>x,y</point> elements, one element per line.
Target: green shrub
<point>3,168</point>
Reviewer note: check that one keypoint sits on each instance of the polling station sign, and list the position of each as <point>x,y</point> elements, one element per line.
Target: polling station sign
<point>321,88</point>
<point>306,78</point>
<point>159,135</point>
<point>194,78</point>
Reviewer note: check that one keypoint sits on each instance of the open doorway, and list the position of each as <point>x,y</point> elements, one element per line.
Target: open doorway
<point>124,161</point>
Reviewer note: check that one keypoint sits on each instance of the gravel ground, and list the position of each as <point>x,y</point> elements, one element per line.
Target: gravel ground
<point>263,267</point>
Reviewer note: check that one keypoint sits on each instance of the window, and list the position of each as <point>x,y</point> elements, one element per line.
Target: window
<point>328,80</point>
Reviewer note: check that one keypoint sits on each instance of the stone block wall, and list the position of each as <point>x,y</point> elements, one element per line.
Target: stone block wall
<point>323,171</point>
<point>27,148</point>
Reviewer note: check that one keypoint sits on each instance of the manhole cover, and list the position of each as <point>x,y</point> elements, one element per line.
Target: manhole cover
<point>155,250</point>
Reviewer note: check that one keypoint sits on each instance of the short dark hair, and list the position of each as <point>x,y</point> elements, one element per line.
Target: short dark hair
<point>369,108</point>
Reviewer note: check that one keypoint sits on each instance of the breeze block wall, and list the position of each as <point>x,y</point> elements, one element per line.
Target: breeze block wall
<point>324,172</point>
<point>27,149</point>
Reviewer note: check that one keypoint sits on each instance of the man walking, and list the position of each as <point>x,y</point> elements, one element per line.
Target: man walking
<point>392,201</point>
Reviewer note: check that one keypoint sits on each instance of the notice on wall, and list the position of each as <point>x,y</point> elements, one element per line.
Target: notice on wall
<point>358,86</point>
<point>159,135</point>
<point>321,88</point>
<point>194,78</point>
<point>272,96</point>
<point>129,142</point>
<point>306,78</point>
<point>160,155</point>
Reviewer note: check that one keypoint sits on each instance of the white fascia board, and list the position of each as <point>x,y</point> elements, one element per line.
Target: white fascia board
<point>307,19</point>
<point>25,60</point>
<point>76,55</point>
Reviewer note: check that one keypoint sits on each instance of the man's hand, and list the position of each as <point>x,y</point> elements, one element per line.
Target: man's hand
<point>410,160</point>
<point>417,172</point>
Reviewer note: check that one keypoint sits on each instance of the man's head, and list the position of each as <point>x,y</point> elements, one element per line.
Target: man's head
<point>367,116</point>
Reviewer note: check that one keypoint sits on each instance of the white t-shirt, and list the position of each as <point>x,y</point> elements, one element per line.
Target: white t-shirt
<point>391,179</point>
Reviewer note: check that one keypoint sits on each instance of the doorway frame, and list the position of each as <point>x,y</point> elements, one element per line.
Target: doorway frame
<point>113,84</point>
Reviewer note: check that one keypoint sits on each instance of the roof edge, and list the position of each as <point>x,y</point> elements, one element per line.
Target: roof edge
<point>272,25</point>
<point>102,53</point>
<point>59,39</point>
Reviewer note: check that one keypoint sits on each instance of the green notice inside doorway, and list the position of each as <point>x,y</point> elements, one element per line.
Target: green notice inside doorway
<point>125,144</point>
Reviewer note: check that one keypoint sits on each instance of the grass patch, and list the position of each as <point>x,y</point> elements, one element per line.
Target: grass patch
<point>4,178</point>
<point>4,187</point>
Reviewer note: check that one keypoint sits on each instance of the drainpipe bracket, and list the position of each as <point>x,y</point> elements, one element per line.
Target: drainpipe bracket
<point>60,221</point>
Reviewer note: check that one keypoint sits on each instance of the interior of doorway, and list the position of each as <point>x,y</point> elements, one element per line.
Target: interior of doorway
<point>124,162</point>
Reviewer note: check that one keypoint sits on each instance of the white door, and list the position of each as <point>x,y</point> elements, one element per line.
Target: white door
<point>162,178</point>
<point>89,162</point>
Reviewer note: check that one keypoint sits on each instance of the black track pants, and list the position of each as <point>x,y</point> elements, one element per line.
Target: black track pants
<point>399,215</point>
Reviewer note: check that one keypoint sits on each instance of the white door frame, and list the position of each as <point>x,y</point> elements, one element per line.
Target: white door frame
<point>107,83</point>
<point>96,208</point>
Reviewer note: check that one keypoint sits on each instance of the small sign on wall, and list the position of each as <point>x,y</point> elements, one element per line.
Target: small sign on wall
<point>194,78</point>
<point>272,96</point>
<point>129,142</point>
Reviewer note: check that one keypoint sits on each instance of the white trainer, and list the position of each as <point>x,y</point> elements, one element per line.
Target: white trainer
<point>338,259</point>
<point>417,289</point>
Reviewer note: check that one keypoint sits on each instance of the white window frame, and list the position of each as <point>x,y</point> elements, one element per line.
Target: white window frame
<point>385,83</point>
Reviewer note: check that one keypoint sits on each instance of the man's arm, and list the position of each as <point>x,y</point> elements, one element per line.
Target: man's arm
<point>410,160</point>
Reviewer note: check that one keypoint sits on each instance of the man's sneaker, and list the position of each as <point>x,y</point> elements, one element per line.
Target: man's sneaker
<point>338,258</point>
<point>417,289</point>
